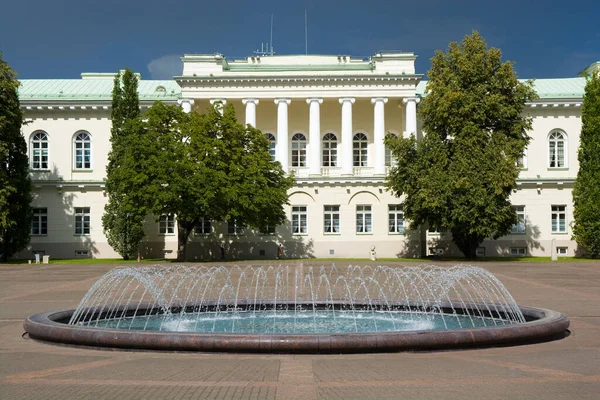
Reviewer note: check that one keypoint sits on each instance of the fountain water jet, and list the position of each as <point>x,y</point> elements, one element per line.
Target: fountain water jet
<point>297,309</point>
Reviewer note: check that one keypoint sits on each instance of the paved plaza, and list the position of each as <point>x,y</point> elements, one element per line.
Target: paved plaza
<point>564,369</point>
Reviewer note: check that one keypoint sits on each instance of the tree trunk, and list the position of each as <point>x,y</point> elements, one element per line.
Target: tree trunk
<point>184,228</point>
<point>468,245</point>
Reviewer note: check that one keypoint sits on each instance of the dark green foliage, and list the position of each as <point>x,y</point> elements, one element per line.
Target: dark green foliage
<point>209,166</point>
<point>459,177</point>
<point>15,183</point>
<point>124,213</point>
<point>586,193</point>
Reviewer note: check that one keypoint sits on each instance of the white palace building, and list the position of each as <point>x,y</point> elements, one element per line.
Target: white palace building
<point>326,117</point>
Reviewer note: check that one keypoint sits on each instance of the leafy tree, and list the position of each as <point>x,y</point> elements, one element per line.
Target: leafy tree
<point>586,192</point>
<point>209,166</point>
<point>459,177</point>
<point>15,183</point>
<point>124,214</point>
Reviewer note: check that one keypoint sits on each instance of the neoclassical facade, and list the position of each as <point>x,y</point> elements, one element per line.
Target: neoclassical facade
<point>326,118</point>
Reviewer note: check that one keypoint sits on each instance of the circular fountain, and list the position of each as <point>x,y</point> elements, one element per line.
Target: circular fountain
<point>297,309</point>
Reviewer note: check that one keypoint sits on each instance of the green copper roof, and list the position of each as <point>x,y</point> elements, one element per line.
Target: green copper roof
<point>563,88</point>
<point>93,89</point>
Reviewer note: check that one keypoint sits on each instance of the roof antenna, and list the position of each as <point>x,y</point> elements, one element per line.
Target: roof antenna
<point>305,31</point>
<point>272,52</point>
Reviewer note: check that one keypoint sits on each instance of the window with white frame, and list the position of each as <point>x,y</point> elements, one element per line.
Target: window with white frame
<point>38,146</point>
<point>299,220</point>
<point>395,219</point>
<point>203,227</point>
<point>562,251</point>
<point>82,220</point>
<point>272,145</point>
<point>331,219</point>
<point>390,160</point>
<point>557,145</point>
<point>519,227</point>
<point>166,224</point>
<point>298,150</point>
<point>267,230</point>
<point>39,223</point>
<point>559,219</point>
<point>329,150</point>
<point>234,227</point>
<point>364,219</point>
<point>518,251</point>
<point>360,145</point>
<point>82,151</point>
<point>522,160</point>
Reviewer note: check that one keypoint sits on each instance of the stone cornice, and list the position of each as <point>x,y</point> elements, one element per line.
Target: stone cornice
<point>210,80</point>
<point>554,103</point>
<point>88,105</point>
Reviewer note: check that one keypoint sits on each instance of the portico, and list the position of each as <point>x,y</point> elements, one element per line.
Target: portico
<point>328,114</point>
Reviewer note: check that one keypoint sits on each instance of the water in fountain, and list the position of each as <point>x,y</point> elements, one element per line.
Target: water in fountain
<point>297,299</point>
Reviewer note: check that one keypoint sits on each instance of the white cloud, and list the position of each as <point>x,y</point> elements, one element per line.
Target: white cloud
<point>166,67</point>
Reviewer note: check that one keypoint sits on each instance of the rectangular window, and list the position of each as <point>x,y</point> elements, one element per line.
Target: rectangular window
<point>519,227</point>
<point>234,228</point>
<point>83,155</point>
<point>82,220</point>
<point>395,219</point>
<point>480,252</point>
<point>332,219</point>
<point>299,220</point>
<point>82,253</point>
<point>166,224</point>
<point>562,251</point>
<point>39,223</point>
<point>268,230</point>
<point>202,227</point>
<point>559,219</point>
<point>518,251</point>
<point>363,219</point>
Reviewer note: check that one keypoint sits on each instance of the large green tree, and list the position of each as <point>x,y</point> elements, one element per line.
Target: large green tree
<point>209,166</point>
<point>586,193</point>
<point>124,214</point>
<point>15,183</point>
<point>459,177</point>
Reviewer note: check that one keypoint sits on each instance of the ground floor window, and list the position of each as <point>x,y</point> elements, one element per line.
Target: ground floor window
<point>166,224</point>
<point>395,219</point>
<point>519,227</point>
<point>82,220</point>
<point>235,228</point>
<point>364,223</point>
<point>559,219</point>
<point>332,219</point>
<point>39,223</point>
<point>562,251</point>
<point>203,227</point>
<point>299,220</point>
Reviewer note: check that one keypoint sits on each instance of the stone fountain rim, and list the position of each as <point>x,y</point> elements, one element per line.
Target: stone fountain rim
<point>543,325</point>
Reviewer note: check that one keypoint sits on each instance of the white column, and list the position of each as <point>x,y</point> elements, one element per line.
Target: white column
<point>215,103</point>
<point>186,105</point>
<point>411,115</point>
<point>346,103</point>
<point>314,132</point>
<point>379,133</point>
<point>250,111</point>
<point>282,133</point>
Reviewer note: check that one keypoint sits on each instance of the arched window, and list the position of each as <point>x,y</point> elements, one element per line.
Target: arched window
<point>272,144</point>
<point>359,145</point>
<point>557,145</point>
<point>39,150</point>
<point>298,150</point>
<point>329,150</point>
<point>82,151</point>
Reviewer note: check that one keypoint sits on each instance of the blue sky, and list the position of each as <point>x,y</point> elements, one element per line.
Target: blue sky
<point>62,38</point>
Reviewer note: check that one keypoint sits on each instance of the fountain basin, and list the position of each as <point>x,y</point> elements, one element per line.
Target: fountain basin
<point>540,325</point>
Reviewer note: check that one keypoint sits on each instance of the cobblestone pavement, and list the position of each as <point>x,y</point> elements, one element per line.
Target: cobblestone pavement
<point>564,369</point>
